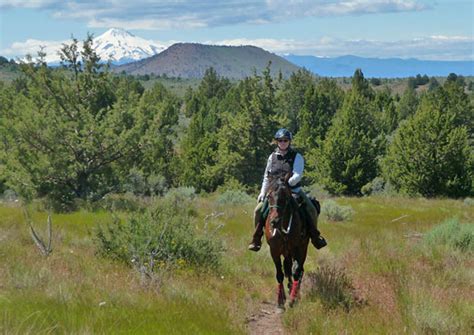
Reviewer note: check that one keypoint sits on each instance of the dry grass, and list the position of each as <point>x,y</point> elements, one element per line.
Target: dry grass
<point>407,286</point>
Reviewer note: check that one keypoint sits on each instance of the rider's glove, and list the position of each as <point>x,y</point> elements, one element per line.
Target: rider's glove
<point>260,197</point>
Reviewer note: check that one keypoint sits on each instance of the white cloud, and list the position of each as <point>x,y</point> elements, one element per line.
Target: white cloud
<point>27,3</point>
<point>439,47</point>
<point>147,24</point>
<point>155,15</point>
<point>427,48</point>
<point>32,46</point>
<point>339,8</point>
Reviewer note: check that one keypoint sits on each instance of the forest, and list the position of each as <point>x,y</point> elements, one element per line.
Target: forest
<point>80,132</point>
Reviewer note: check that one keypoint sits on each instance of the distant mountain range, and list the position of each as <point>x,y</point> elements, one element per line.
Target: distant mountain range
<point>191,60</point>
<point>135,55</point>
<point>383,68</point>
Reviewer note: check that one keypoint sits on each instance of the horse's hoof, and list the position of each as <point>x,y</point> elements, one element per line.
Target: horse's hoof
<point>254,247</point>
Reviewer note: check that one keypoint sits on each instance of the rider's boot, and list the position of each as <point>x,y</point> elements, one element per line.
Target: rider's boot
<point>316,239</point>
<point>257,237</point>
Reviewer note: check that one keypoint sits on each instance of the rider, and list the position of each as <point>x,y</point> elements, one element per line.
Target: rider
<point>283,160</point>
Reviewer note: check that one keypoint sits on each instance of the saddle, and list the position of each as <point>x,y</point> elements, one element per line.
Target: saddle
<point>299,200</point>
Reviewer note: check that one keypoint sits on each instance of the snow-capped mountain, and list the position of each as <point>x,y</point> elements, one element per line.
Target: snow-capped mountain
<point>122,47</point>
<point>117,45</point>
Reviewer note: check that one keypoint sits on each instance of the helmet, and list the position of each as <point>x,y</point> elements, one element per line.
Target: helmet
<point>283,133</point>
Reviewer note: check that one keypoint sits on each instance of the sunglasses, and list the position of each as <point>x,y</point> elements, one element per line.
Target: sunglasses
<point>282,140</point>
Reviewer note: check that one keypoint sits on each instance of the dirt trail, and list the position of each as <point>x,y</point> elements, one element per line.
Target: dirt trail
<point>266,321</point>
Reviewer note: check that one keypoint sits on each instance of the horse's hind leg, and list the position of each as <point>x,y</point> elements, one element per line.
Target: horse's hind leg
<point>279,276</point>
<point>288,272</point>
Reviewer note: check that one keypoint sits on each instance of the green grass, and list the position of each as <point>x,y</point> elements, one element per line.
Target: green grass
<point>407,284</point>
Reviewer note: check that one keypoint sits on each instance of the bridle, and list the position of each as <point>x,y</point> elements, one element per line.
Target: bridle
<point>284,213</point>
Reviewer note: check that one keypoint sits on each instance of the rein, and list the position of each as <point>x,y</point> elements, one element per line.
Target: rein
<point>283,208</point>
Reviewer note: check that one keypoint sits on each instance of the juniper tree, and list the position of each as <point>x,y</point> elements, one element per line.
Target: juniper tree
<point>346,160</point>
<point>75,129</point>
<point>197,149</point>
<point>431,154</point>
<point>320,105</point>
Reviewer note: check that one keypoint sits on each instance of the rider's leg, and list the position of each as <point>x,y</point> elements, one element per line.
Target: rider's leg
<point>316,239</point>
<point>256,243</point>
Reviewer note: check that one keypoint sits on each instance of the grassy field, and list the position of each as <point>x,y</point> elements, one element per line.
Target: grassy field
<point>388,260</point>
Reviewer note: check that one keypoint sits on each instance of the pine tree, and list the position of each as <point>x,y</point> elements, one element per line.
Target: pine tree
<point>320,105</point>
<point>199,145</point>
<point>407,104</point>
<point>431,153</point>
<point>386,111</point>
<point>290,99</point>
<point>347,159</point>
<point>244,139</point>
<point>73,131</point>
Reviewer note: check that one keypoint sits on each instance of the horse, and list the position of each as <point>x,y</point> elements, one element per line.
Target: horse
<point>286,235</point>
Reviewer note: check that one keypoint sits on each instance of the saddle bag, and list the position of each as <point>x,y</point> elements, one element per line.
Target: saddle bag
<point>316,204</point>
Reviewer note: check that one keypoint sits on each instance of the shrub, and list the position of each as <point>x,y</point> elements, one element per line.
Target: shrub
<point>334,212</point>
<point>140,184</point>
<point>452,234</point>
<point>234,197</point>
<point>333,287</point>
<point>9,196</point>
<point>126,202</point>
<point>431,319</point>
<point>376,186</point>
<point>183,193</point>
<point>469,201</point>
<point>317,191</point>
<point>162,235</point>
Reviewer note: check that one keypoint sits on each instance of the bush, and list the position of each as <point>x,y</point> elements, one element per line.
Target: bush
<point>126,202</point>
<point>374,187</point>
<point>183,193</point>
<point>469,201</point>
<point>234,197</point>
<point>334,212</point>
<point>162,235</point>
<point>333,287</point>
<point>432,319</point>
<point>317,191</point>
<point>140,184</point>
<point>9,196</point>
<point>453,235</point>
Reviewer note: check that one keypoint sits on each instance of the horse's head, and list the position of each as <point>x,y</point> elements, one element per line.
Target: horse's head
<point>280,203</point>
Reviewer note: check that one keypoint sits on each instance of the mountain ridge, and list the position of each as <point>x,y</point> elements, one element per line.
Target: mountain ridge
<point>344,66</point>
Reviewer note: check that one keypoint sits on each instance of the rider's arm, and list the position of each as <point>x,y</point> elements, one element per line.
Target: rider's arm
<point>265,182</point>
<point>298,167</point>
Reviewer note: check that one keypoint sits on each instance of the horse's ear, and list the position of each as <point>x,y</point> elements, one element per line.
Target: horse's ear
<point>287,177</point>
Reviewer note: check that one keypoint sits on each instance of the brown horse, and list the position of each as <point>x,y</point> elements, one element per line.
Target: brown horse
<point>286,235</point>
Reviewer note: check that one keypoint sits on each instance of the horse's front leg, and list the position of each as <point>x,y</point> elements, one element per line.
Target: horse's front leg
<point>279,277</point>
<point>297,276</point>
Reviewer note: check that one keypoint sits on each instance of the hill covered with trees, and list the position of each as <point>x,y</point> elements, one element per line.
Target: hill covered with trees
<point>191,60</point>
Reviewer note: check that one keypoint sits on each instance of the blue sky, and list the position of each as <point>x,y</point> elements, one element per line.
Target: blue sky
<point>434,30</point>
